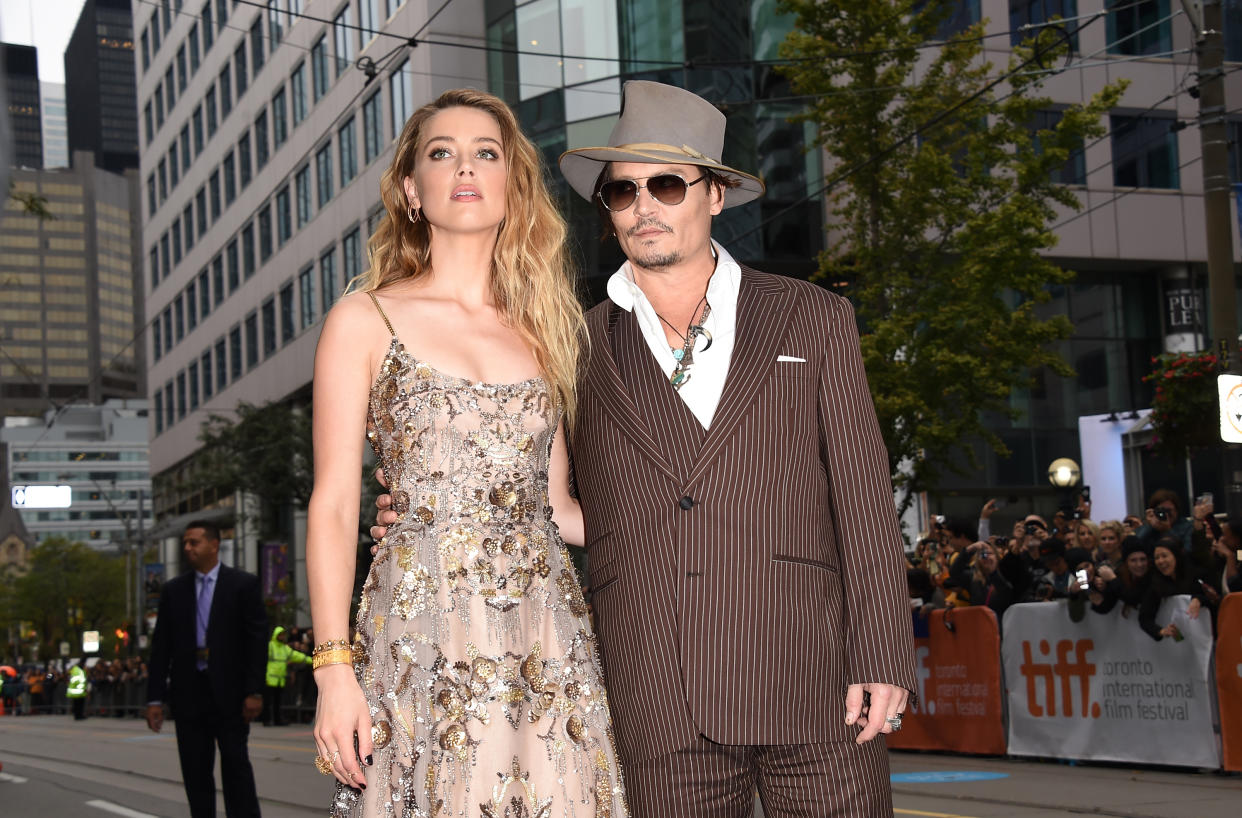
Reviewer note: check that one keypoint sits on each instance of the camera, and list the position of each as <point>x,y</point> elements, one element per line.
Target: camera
<point>1162,514</point>
<point>939,520</point>
<point>1081,576</point>
<point>1032,529</point>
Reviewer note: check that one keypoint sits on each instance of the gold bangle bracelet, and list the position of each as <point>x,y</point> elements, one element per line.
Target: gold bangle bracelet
<point>331,644</point>
<point>332,657</point>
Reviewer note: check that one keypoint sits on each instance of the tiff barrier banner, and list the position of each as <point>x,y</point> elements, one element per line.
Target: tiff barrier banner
<point>1229,679</point>
<point>1102,689</point>
<point>959,707</point>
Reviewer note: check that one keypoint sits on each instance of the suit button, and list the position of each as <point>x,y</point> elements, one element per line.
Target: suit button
<point>686,503</point>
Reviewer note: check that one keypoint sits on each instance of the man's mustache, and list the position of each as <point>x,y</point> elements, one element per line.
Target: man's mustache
<point>647,224</point>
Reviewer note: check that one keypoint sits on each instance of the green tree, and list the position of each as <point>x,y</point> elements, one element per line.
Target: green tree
<point>69,588</point>
<point>31,203</point>
<point>265,452</point>
<point>940,206</point>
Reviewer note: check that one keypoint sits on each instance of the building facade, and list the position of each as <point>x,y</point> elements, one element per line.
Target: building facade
<point>100,85</point>
<point>100,452</point>
<point>55,125</point>
<point>21,79</point>
<point>69,315</point>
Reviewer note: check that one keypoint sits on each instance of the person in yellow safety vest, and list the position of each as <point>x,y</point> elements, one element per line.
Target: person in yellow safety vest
<point>76,692</point>
<point>279,657</point>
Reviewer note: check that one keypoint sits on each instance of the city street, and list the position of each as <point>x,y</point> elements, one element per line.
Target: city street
<point>56,767</point>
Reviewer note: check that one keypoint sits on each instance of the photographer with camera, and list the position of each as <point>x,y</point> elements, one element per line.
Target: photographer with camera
<point>1021,566</point>
<point>1164,519</point>
<point>960,534</point>
<point>988,585</point>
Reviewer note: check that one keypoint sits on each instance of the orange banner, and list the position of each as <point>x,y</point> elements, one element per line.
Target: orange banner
<point>1229,679</point>
<point>960,691</point>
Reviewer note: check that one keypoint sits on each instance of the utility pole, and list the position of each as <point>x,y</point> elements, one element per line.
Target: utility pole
<point>1217,212</point>
<point>140,615</point>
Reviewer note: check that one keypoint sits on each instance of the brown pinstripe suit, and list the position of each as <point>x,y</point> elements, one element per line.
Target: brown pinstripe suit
<point>742,576</point>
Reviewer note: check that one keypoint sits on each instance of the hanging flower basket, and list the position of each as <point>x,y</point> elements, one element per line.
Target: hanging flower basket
<point>1184,409</point>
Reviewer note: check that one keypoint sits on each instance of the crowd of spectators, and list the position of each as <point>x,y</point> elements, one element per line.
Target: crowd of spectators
<point>1135,562</point>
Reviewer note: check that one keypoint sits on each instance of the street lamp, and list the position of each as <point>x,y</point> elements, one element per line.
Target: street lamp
<point>1064,473</point>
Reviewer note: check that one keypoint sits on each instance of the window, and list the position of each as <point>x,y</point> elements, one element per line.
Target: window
<point>191,306</point>
<point>151,195</point>
<point>327,278</point>
<point>217,279</point>
<point>234,267</point>
<point>247,250</point>
<point>372,125</point>
<point>351,251</point>
<point>1074,171</point>
<point>962,16</point>
<point>186,156</point>
<point>170,410</point>
<point>302,189</point>
<point>287,327</point>
<point>323,170</point>
<point>166,7</point>
<point>170,90</point>
<point>161,173</point>
<point>240,73</point>
<point>280,125</point>
<point>284,221</point>
<point>319,69</point>
<point>210,104</point>
<point>209,33</point>
<point>180,395</point>
<point>204,302</point>
<point>297,89</point>
<point>200,202</point>
<point>182,70</point>
<point>208,384</point>
<point>187,218</point>
<point>174,167</point>
<point>196,127</point>
<point>235,353</point>
<point>343,40</point>
<point>165,266</point>
<point>157,349</point>
<point>168,329</point>
<point>257,56</point>
<point>155,33</point>
<point>252,341</point>
<point>243,158</point>
<point>369,19</point>
<point>226,93</point>
<point>1140,28</point>
<point>306,289</point>
<point>179,313</point>
<point>146,50</point>
<point>154,264</point>
<point>260,141</point>
<point>213,186</point>
<point>176,244</point>
<point>159,398</point>
<point>1231,16</point>
<point>192,41</point>
<point>230,179</point>
<point>148,122</point>
<point>392,6</point>
<point>269,327</point>
<point>222,14</point>
<point>399,98</point>
<point>265,234</point>
<point>1144,152</point>
<point>273,22</point>
<point>222,374</point>
<point>159,106</point>
<point>348,151</point>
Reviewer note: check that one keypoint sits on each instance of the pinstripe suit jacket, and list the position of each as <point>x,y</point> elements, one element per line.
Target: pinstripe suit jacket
<point>743,576</point>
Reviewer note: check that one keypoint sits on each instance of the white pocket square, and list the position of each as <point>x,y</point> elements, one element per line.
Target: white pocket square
<point>790,358</point>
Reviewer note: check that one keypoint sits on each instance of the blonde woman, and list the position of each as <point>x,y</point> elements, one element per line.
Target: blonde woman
<point>1110,535</point>
<point>1088,535</point>
<point>472,685</point>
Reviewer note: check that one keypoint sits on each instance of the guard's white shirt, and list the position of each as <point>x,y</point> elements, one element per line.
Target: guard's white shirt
<point>711,367</point>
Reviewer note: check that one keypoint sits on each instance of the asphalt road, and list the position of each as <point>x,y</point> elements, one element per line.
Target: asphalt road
<point>55,767</point>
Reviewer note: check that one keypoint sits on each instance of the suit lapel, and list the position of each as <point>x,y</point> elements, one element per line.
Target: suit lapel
<point>611,393</point>
<point>222,580</point>
<point>764,307</point>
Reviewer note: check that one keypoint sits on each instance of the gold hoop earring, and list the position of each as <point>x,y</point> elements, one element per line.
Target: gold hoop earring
<point>414,214</point>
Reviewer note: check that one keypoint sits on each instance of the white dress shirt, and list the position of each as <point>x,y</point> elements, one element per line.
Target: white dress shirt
<point>710,368</point>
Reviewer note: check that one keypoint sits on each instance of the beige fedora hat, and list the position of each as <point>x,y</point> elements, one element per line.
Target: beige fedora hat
<point>661,124</point>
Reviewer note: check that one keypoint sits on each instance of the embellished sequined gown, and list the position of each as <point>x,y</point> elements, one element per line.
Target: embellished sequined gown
<point>473,647</point>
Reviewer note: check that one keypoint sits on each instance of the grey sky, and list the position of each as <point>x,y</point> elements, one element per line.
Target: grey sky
<point>45,24</point>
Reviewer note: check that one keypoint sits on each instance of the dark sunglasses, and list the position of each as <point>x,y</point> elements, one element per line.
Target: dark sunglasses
<point>666,189</point>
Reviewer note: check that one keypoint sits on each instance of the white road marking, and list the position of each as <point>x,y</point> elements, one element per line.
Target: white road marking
<point>117,809</point>
<point>12,779</point>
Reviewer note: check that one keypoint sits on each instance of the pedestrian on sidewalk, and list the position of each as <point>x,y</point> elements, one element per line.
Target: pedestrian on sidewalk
<point>208,642</point>
<point>76,691</point>
<point>279,657</point>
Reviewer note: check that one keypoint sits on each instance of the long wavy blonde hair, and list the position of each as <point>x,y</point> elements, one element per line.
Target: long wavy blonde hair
<point>532,282</point>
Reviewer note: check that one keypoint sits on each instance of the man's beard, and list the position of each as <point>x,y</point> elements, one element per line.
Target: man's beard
<point>652,259</point>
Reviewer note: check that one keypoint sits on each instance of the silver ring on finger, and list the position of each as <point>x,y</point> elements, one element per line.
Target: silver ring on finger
<point>894,722</point>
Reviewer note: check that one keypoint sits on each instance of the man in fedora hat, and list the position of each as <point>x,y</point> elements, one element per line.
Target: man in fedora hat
<point>745,560</point>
